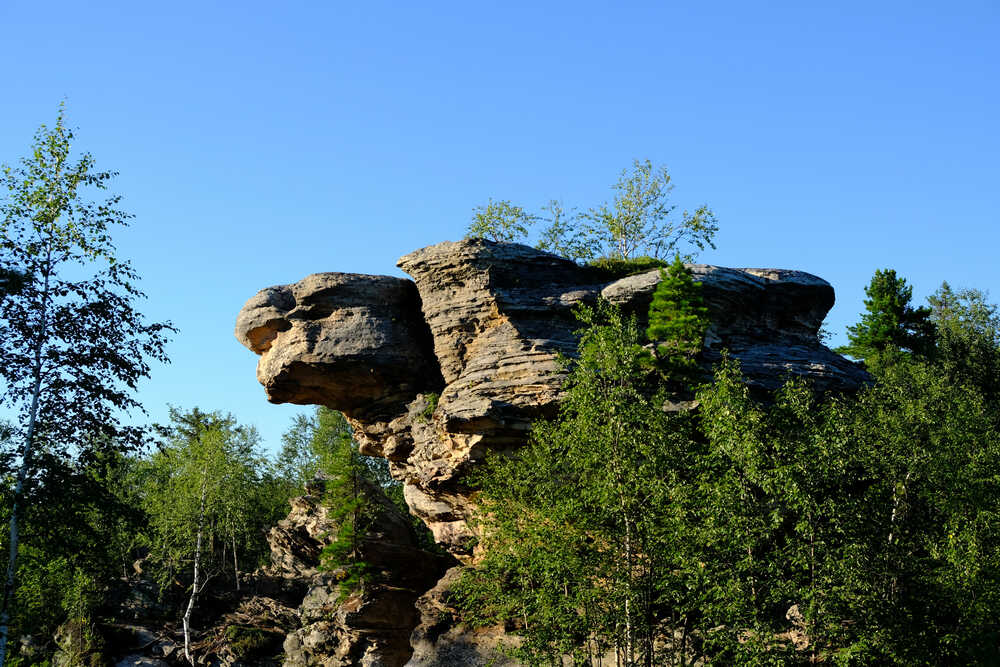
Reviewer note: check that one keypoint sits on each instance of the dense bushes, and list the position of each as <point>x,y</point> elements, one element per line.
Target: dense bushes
<point>855,529</point>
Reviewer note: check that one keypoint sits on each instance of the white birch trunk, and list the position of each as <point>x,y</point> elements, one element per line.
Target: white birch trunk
<point>197,563</point>
<point>236,566</point>
<point>29,438</point>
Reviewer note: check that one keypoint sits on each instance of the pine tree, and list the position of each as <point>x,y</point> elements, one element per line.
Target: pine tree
<point>890,323</point>
<point>678,320</point>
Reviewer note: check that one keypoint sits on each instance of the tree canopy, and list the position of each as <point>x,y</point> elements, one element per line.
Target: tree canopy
<point>640,220</point>
<point>73,347</point>
<point>786,528</point>
<point>889,322</point>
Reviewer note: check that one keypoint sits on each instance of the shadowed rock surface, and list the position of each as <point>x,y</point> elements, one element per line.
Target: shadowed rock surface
<point>371,626</point>
<point>433,373</point>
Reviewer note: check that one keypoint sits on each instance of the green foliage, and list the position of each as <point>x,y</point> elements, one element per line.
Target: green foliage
<point>857,529</point>
<point>968,339</point>
<point>639,221</point>
<point>345,497</point>
<point>310,447</point>
<point>74,316</point>
<point>565,236</point>
<point>606,269</point>
<point>79,525</point>
<point>639,218</point>
<point>874,515</point>
<point>207,475</point>
<point>500,221</point>
<point>321,446</point>
<point>678,321</point>
<point>889,324</point>
<point>73,347</point>
<point>578,529</point>
<point>248,642</point>
<point>428,411</point>
<point>314,446</point>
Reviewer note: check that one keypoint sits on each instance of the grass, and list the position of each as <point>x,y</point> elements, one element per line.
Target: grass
<point>614,268</point>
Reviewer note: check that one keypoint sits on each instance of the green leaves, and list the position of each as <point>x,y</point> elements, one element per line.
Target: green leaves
<point>206,475</point>
<point>500,221</point>
<point>779,529</point>
<point>582,530</point>
<point>864,511</point>
<point>639,221</point>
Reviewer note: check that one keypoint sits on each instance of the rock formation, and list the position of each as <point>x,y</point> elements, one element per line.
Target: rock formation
<point>433,373</point>
<point>291,612</point>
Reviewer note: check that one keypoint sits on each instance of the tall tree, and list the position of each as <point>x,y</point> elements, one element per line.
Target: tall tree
<point>890,322</point>
<point>968,338</point>
<point>72,344</point>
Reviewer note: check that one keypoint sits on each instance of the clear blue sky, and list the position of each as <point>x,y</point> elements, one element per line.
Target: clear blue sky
<point>260,142</point>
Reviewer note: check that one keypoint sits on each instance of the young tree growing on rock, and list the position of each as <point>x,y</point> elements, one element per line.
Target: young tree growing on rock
<point>640,220</point>
<point>500,221</point>
<point>72,344</point>
<point>678,320</point>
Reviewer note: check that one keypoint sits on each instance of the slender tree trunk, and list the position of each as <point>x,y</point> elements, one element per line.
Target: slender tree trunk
<point>629,588</point>
<point>22,474</point>
<point>898,497</point>
<point>236,566</point>
<point>197,563</point>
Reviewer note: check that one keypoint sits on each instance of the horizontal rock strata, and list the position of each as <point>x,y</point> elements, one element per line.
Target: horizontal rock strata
<point>433,373</point>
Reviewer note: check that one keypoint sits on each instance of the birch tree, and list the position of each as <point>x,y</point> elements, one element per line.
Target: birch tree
<point>206,502</point>
<point>72,344</point>
<point>639,221</point>
<point>584,532</point>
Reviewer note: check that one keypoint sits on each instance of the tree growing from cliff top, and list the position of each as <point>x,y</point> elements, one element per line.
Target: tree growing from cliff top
<point>678,320</point>
<point>640,220</point>
<point>890,323</point>
<point>500,221</point>
<point>72,344</point>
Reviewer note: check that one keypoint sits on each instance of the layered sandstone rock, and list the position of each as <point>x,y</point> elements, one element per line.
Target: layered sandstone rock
<point>434,373</point>
<point>350,341</point>
<point>371,625</point>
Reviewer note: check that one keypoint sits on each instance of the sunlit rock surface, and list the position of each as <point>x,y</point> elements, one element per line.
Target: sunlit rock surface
<point>433,373</point>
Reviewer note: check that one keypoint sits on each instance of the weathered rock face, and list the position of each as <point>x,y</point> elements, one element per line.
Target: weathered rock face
<point>768,319</point>
<point>434,373</point>
<point>439,641</point>
<point>351,341</point>
<point>372,625</point>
